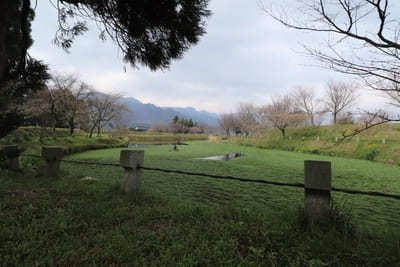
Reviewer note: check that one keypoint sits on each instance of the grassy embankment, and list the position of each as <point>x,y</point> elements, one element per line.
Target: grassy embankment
<point>163,138</point>
<point>381,143</point>
<point>31,139</point>
<point>180,220</point>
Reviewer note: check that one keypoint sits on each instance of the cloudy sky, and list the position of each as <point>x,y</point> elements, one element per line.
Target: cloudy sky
<point>244,57</point>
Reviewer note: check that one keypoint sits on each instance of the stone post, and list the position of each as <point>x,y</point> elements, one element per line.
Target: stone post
<point>52,155</point>
<point>317,189</point>
<point>131,160</point>
<point>12,154</point>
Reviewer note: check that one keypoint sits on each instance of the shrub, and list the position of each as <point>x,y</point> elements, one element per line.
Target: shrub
<point>372,154</point>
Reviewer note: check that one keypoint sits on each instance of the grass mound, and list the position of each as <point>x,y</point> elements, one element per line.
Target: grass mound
<point>381,143</point>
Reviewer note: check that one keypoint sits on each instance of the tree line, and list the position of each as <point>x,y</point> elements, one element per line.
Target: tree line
<point>299,107</point>
<point>184,126</point>
<point>68,102</point>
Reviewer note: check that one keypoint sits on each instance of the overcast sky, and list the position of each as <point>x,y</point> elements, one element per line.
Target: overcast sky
<point>244,57</point>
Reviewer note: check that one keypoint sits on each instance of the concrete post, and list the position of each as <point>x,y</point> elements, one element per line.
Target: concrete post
<point>52,155</point>
<point>318,138</point>
<point>317,189</point>
<point>131,160</point>
<point>12,154</point>
<point>383,141</point>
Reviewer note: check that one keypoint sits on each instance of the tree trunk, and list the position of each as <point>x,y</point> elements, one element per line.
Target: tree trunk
<point>98,130</point>
<point>334,118</point>
<point>4,19</point>
<point>91,131</point>
<point>71,126</point>
<point>283,131</point>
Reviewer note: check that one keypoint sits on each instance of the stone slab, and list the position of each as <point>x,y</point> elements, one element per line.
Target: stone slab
<point>317,204</point>
<point>131,158</point>
<point>318,175</point>
<point>52,153</point>
<point>132,181</point>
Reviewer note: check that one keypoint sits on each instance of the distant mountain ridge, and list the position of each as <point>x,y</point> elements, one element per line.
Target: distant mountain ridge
<point>152,114</point>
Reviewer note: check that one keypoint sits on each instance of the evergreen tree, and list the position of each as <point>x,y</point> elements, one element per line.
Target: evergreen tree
<point>175,119</point>
<point>20,75</point>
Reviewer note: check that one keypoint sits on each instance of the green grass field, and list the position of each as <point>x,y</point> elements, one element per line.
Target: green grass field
<point>180,220</point>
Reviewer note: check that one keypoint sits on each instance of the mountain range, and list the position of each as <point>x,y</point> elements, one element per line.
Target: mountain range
<point>152,114</point>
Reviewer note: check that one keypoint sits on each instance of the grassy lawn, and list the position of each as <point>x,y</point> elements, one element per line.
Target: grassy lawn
<point>180,220</point>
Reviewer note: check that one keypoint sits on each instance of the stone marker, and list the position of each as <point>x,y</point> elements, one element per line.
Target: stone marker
<point>52,155</point>
<point>317,189</point>
<point>12,154</point>
<point>318,138</point>
<point>383,141</point>
<point>131,160</point>
<point>336,139</point>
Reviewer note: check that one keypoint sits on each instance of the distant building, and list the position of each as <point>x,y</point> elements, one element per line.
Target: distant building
<point>139,127</point>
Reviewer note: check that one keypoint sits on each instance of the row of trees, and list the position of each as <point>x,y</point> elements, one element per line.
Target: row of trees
<point>183,125</point>
<point>301,106</point>
<point>71,103</point>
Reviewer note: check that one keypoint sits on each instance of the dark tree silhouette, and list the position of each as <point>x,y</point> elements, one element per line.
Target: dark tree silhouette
<point>20,75</point>
<point>148,32</point>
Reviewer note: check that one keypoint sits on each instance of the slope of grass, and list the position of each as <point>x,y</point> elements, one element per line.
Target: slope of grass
<point>180,220</point>
<point>381,143</point>
<point>164,138</point>
<point>31,140</point>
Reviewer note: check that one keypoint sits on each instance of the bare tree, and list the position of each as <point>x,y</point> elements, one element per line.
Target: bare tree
<point>247,116</point>
<point>339,96</point>
<point>103,109</point>
<point>45,107</point>
<point>362,37</point>
<point>305,100</point>
<point>228,123</point>
<point>73,98</point>
<point>282,113</point>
